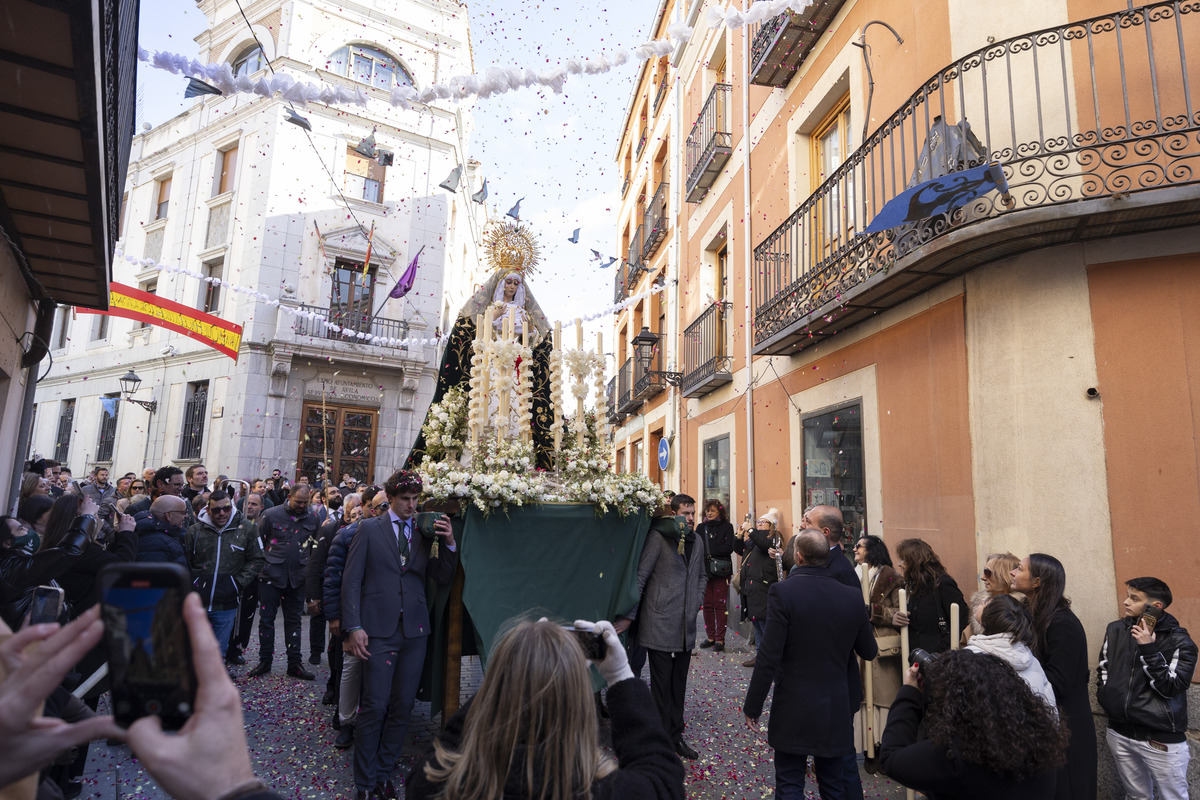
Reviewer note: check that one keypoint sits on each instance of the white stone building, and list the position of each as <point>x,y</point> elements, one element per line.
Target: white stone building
<point>232,189</point>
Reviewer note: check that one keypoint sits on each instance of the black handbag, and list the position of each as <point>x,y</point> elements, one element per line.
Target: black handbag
<point>719,566</point>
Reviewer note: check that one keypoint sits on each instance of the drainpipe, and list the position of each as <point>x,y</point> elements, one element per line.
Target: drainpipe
<point>43,326</point>
<point>747,273</point>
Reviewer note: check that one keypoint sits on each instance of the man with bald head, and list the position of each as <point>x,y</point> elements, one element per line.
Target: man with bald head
<point>160,532</point>
<point>285,528</point>
<point>827,520</point>
<point>814,627</point>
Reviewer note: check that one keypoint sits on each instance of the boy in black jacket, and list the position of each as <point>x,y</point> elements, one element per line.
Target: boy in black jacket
<point>1144,673</point>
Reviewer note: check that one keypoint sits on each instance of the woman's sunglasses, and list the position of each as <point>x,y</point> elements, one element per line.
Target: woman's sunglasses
<point>137,486</point>
<point>987,574</point>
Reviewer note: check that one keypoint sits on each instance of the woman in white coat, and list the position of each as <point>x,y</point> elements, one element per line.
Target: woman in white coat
<point>1008,635</point>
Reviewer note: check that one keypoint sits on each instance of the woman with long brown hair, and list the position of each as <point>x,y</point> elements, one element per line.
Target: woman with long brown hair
<point>1061,645</point>
<point>931,592</point>
<point>530,731</point>
<point>717,534</point>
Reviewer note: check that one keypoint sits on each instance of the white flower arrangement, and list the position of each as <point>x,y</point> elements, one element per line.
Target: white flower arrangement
<point>445,426</point>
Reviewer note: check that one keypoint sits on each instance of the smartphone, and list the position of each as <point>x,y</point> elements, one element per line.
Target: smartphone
<point>1150,617</point>
<point>593,644</point>
<point>149,652</point>
<point>46,606</point>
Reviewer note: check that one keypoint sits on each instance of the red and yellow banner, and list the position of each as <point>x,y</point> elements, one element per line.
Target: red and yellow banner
<point>131,303</point>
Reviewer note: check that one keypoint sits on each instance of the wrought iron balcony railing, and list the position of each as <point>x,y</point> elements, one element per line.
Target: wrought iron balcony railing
<point>779,46</point>
<point>706,362</point>
<point>654,225</point>
<point>626,403</point>
<point>634,259</point>
<point>648,379</point>
<point>620,282</point>
<point>351,322</point>
<point>661,94</point>
<point>710,143</point>
<point>645,137</point>
<point>625,183</point>
<point>610,401</point>
<point>1081,113</point>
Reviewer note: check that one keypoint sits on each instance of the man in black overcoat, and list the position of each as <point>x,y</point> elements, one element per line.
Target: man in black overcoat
<point>814,626</point>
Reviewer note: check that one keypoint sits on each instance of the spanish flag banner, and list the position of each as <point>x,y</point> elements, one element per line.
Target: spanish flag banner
<point>131,303</point>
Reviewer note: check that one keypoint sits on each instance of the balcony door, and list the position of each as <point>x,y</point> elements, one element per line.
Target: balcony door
<point>344,440</point>
<point>831,144</point>
<point>350,296</point>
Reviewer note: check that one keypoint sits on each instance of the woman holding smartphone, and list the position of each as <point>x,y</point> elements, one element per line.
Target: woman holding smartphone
<point>1061,646</point>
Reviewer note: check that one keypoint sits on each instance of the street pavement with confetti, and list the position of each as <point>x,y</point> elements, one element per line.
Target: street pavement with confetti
<point>291,737</point>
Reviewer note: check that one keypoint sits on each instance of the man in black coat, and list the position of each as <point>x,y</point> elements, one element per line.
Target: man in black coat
<point>814,627</point>
<point>385,622</point>
<point>284,529</point>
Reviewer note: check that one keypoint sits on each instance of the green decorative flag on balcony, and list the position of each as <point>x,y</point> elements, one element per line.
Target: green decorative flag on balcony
<point>939,196</point>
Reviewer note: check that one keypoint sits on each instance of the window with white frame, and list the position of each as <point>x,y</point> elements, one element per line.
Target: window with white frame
<point>249,61</point>
<point>368,65</point>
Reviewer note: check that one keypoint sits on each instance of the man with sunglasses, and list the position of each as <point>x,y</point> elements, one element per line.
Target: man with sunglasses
<point>225,556</point>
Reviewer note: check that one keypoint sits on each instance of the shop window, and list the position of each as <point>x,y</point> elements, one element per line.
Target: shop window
<point>833,464</point>
<point>716,470</point>
<point>637,460</point>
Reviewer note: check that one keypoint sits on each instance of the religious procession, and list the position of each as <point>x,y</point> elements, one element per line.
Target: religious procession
<point>817,467</point>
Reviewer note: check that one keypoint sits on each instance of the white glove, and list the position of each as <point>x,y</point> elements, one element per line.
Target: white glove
<point>615,666</point>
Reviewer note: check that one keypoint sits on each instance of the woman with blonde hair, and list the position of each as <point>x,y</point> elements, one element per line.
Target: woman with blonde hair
<point>995,576</point>
<point>530,732</point>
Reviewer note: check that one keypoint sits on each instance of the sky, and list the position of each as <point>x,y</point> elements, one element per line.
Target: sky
<point>556,151</point>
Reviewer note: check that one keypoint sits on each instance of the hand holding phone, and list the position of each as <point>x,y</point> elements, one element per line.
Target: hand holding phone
<point>31,673</point>
<point>46,606</point>
<point>208,757</point>
<point>149,653</point>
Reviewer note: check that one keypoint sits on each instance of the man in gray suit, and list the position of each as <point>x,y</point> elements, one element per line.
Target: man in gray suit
<point>385,620</point>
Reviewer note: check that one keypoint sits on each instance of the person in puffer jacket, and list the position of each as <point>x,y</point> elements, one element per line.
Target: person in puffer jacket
<point>1143,677</point>
<point>1008,635</point>
<point>160,531</point>
<point>224,555</point>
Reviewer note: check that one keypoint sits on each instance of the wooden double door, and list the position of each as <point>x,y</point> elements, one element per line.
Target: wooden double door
<point>342,438</point>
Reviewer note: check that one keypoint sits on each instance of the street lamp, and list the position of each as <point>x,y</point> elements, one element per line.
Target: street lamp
<point>129,384</point>
<point>644,346</point>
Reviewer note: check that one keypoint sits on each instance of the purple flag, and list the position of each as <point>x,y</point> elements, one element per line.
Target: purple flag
<point>405,284</point>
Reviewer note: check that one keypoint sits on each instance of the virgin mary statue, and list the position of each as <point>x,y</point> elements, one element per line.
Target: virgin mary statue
<point>513,253</point>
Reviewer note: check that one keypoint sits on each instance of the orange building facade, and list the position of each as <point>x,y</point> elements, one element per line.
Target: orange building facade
<point>1020,373</point>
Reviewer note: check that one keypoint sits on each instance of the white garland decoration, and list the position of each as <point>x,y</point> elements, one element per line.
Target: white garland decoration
<point>493,81</point>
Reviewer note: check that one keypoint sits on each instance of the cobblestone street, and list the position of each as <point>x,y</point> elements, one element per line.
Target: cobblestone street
<point>291,739</point>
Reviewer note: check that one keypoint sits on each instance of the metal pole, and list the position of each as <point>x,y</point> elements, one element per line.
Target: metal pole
<point>748,328</point>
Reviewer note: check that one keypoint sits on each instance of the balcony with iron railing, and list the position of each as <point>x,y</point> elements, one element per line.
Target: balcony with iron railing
<point>635,261</point>
<point>779,45</point>
<point>610,401</point>
<point>648,379</point>
<point>621,282</point>
<point>350,323</point>
<point>645,137</point>
<point>710,143</point>
<point>1096,125</point>
<point>654,225</point>
<point>661,95</point>
<point>625,183</point>
<point>626,403</point>
<point>706,361</point>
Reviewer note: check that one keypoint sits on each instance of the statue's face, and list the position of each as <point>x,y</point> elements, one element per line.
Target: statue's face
<point>510,288</point>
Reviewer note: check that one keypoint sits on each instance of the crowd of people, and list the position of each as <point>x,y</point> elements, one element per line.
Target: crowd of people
<point>1002,711</point>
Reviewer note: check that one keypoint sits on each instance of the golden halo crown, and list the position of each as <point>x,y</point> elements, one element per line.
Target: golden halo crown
<point>512,247</point>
